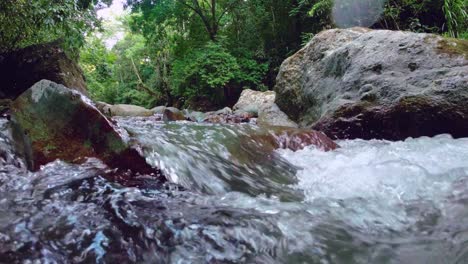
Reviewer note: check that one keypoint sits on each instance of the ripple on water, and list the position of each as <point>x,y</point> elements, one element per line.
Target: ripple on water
<point>368,202</point>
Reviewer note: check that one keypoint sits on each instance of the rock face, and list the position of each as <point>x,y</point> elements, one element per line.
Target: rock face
<point>23,68</point>
<point>53,122</point>
<point>362,83</point>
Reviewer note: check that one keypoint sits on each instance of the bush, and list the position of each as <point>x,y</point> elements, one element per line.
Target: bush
<point>212,71</point>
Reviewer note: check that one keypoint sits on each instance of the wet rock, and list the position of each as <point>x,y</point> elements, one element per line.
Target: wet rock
<point>194,116</point>
<point>23,68</point>
<point>362,83</point>
<point>293,139</point>
<point>9,156</point>
<point>252,101</point>
<point>53,122</point>
<point>173,114</point>
<point>228,118</point>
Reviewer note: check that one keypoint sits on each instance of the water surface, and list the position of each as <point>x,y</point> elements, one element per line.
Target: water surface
<point>231,200</point>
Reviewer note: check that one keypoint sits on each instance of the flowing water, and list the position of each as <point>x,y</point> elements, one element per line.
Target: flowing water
<point>233,200</point>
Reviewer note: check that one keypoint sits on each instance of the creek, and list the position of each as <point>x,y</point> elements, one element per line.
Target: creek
<point>230,199</point>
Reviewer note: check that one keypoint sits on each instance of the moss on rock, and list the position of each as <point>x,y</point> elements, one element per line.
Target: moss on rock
<point>55,122</point>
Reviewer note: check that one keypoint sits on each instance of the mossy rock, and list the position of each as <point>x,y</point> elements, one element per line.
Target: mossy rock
<point>453,46</point>
<point>53,122</point>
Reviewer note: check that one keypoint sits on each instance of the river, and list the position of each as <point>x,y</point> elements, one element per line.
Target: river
<point>230,199</point>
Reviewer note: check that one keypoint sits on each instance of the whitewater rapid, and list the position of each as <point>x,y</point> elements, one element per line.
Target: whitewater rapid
<point>233,201</point>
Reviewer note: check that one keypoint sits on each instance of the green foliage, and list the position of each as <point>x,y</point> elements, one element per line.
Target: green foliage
<point>113,76</point>
<point>434,16</point>
<point>456,17</point>
<point>204,70</point>
<point>180,49</point>
<point>321,8</point>
<point>24,22</point>
<point>98,66</point>
<point>211,70</point>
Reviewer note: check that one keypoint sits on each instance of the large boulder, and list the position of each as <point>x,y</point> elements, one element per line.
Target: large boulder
<point>362,83</point>
<point>21,69</point>
<point>53,122</point>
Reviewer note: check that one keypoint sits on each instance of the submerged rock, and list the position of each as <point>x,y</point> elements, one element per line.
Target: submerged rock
<point>53,122</point>
<point>362,83</point>
<point>293,139</point>
<point>23,68</point>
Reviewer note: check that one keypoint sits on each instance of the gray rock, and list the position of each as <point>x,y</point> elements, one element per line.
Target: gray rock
<point>123,110</point>
<point>173,110</point>
<point>251,101</point>
<point>224,111</point>
<point>362,83</point>
<point>158,110</point>
<point>129,110</point>
<point>194,116</point>
<point>105,108</point>
<point>271,115</point>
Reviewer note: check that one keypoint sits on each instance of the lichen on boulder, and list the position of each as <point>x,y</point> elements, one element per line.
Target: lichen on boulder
<point>53,122</point>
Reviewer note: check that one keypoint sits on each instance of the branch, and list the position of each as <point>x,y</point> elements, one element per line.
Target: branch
<point>229,7</point>
<point>141,83</point>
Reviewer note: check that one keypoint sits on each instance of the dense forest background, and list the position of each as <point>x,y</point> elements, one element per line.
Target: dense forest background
<point>200,54</point>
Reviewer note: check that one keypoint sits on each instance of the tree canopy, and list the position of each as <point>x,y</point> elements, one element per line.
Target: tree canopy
<point>179,52</point>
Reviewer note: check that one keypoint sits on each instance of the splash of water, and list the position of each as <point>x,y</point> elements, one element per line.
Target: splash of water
<point>352,13</point>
